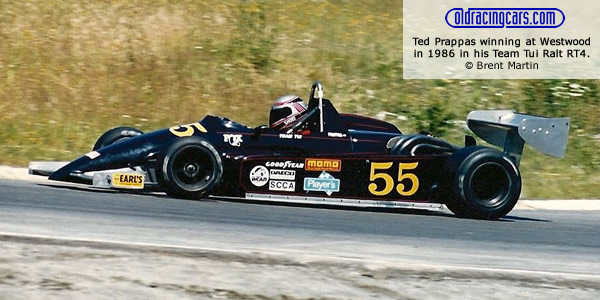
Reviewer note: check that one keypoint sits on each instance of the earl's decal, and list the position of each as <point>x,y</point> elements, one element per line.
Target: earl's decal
<point>128,181</point>
<point>320,164</point>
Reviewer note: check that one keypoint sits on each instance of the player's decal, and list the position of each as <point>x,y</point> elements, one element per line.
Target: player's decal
<point>324,183</point>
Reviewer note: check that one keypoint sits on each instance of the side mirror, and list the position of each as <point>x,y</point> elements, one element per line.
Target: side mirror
<point>470,141</point>
<point>259,130</point>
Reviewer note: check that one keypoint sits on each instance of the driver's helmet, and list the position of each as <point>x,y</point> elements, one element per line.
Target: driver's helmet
<point>285,111</point>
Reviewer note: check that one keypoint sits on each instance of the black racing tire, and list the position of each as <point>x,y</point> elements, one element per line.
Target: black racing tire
<point>190,168</point>
<point>483,183</point>
<point>116,135</point>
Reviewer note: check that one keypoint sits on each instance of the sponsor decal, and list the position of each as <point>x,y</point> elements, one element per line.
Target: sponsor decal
<point>128,180</point>
<point>280,185</point>
<point>282,174</point>
<point>93,154</point>
<point>319,164</point>
<point>336,134</point>
<point>284,164</point>
<point>233,139</point>
<point>259,176</point>
<point>289,120</point>
<point>290,136</point>
<point>324,183</point>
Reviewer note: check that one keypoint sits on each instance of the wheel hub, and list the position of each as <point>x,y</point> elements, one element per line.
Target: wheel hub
<point>191,170</point>
<point>490,184</point>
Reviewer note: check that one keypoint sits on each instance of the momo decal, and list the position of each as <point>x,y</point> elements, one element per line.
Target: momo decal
<point>288,164</point>
<point>259,176</point>
<point>318,164</point>
<point>233,139</point>
<point>324,183</point>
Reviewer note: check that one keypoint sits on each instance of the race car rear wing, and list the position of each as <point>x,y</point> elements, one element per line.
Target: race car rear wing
<point>511,130</point>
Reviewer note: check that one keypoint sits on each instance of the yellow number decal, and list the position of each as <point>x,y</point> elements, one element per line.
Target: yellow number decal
<point>186,130</point>
<point>412,177</point>
<point>389,182</point>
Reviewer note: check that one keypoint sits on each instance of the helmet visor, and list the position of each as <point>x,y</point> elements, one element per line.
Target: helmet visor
<point>278,114</point>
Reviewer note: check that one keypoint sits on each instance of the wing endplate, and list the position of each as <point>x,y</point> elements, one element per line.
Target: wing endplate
<point>511,130</point>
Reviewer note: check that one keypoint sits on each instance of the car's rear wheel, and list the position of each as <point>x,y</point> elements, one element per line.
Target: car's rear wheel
<point>483,184</point>
<point>116,135</point>
<point>190,168</point>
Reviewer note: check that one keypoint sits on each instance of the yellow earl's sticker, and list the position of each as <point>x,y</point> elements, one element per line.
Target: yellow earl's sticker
<point>128,181</point>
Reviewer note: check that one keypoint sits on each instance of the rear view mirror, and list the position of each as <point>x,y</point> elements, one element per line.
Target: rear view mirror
<point>259,130</point>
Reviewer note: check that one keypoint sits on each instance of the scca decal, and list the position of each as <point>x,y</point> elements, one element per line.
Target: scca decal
<point>280,185</point>
<point>319,164</point>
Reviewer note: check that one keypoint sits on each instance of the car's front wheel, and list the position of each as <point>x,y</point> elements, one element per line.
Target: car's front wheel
<point>190,168</point>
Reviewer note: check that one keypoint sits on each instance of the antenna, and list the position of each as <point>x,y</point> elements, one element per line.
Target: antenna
<point>320,96</point>
<point>318,87</point>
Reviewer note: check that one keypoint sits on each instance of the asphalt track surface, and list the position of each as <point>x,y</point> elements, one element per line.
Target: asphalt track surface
<point>563,243</point>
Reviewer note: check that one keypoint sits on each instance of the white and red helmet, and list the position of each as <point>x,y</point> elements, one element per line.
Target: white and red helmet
<point>285,111</point>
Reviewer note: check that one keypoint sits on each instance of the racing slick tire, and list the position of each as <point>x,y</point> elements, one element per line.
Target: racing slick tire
<point>116,135</point>
<point>483,183</point>
<point>190,168</point>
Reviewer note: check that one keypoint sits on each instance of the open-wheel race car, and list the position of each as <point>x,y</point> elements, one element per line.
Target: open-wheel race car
<point>313,154</point>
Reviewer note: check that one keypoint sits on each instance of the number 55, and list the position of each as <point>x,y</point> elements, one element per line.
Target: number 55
<point>389,181</point>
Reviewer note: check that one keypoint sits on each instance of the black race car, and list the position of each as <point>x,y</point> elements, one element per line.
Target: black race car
<point>313,154</point>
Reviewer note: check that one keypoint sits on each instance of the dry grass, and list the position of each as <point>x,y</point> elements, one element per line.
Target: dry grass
<point>69,70</point>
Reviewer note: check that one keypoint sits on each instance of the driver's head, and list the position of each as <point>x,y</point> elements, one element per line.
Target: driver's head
<point>285,111</point>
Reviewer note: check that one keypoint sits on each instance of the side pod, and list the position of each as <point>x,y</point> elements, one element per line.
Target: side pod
<point>511,130</point>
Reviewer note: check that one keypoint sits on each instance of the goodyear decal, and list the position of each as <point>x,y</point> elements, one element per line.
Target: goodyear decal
<point>284,164</point>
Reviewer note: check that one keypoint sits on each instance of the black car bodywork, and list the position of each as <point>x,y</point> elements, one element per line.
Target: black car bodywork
<point>332,158</point>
